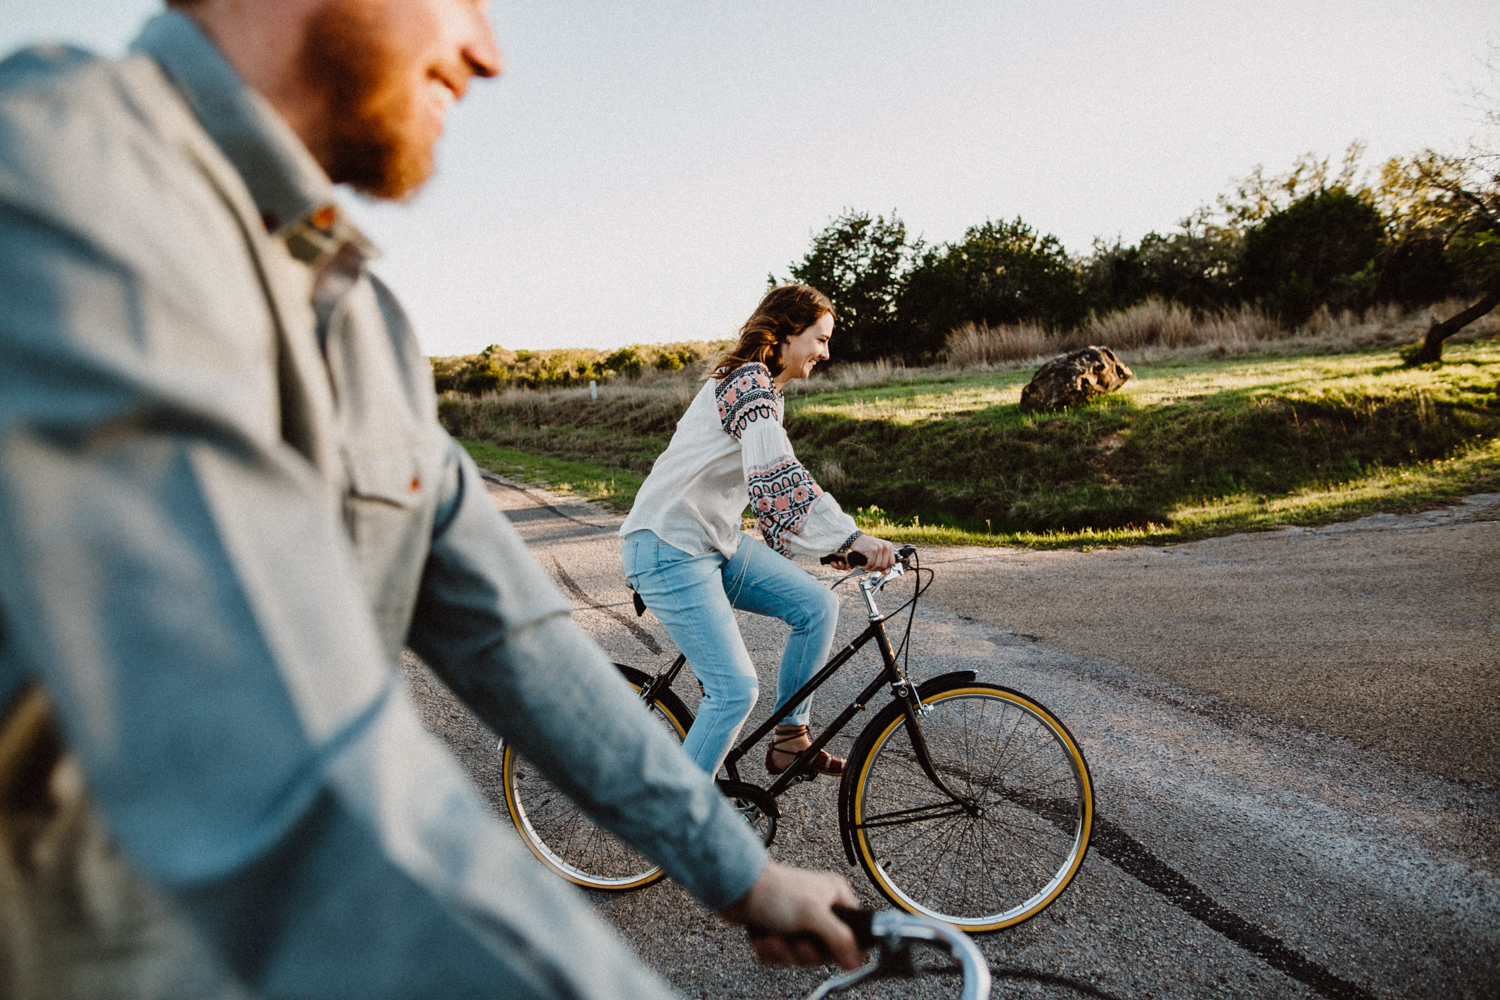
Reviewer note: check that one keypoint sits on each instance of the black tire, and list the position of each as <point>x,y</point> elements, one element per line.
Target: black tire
<point>559,833</point>
<point>990,867</point>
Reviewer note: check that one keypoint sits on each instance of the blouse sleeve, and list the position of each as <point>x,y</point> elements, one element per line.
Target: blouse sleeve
<point>795,516</point>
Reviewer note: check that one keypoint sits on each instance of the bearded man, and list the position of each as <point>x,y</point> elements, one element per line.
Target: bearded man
<point>226,505</point>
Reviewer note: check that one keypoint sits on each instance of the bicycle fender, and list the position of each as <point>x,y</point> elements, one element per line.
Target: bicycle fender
<point>943,680</point>
<point>846,813</point>
<point>631,674</point>
<point>861,743</point>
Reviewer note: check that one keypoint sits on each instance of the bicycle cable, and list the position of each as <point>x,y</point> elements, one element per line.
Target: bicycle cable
<point>903,651</point>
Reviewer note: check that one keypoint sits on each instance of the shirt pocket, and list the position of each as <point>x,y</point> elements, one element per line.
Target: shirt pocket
<point>390,495</point>
<point>395,478</point>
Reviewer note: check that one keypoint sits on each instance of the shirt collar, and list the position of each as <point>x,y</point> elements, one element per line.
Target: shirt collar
<point>294,195</point>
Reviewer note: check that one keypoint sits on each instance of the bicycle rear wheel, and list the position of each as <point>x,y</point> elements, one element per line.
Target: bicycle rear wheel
<point>1030,807</point>
<point>559,833</point>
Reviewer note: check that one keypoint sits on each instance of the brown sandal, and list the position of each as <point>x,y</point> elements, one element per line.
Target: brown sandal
<point>823,763</point>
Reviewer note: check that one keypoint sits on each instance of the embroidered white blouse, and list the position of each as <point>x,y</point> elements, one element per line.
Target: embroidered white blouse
<point>730,448</point>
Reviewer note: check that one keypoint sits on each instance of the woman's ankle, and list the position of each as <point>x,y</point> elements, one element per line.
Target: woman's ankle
<point>791,739</point>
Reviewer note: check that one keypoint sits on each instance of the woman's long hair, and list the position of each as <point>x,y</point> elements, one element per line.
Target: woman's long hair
<point>786,311</point>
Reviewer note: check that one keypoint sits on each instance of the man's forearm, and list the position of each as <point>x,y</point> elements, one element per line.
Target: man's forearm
<point>492,624</point>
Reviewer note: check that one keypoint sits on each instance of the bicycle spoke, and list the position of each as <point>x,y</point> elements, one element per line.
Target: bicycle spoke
<point>565,839</point>
<point>915,814</point>
<point>1000,859</point>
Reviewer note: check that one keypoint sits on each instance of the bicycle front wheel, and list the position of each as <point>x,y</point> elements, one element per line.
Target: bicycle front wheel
<point>559,833</point>
<point>1014,843</point>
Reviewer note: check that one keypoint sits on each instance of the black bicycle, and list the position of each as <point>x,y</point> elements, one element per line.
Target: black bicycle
<point>962,800</point>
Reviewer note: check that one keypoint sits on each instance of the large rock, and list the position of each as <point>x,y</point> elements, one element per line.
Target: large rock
<point>1074,379</point>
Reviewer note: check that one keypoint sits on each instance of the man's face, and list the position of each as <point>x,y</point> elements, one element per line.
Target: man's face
<point>387,72</point>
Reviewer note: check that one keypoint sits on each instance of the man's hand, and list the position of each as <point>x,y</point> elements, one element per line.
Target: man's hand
<point>789,914</point>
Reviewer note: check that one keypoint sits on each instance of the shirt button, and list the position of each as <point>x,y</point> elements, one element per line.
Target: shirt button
<point>416,484</point>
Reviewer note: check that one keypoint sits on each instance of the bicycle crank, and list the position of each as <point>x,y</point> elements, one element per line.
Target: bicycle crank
<point>759,808</point>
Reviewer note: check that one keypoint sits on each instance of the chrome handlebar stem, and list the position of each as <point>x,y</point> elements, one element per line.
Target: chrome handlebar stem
<point>870,586</point>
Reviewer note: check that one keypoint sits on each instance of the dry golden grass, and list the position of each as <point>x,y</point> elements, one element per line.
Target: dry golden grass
<point>975,345</point>
<point>1153,331</point>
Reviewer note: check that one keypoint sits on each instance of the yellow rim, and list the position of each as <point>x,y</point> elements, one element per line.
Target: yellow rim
<point>1080,769</point>
<point>534,845</point>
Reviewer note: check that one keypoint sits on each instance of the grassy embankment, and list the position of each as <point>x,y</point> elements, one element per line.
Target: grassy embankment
<point>1190,447</point>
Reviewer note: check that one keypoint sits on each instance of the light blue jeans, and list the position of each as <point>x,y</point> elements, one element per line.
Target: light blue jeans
<point>694,597</point>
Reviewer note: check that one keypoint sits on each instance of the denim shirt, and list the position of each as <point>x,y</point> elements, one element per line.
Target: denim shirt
<point>226,504</point>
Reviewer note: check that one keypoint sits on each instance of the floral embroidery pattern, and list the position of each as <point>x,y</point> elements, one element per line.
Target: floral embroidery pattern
<point>781,497</point>
<point>745,395</point>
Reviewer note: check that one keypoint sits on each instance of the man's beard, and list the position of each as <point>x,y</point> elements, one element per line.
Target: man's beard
<point>370,137</point>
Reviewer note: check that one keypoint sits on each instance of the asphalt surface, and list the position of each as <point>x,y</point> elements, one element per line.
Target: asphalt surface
<point>1293,737</point>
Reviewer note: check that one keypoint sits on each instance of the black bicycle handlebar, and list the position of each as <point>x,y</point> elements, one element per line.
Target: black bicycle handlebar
<point>859,922</point>
<point>904,553</point>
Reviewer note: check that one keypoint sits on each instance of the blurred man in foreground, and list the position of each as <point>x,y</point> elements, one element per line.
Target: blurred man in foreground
<point>225,506</point>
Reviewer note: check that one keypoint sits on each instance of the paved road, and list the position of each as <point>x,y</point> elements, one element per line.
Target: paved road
<point>1293,737</point>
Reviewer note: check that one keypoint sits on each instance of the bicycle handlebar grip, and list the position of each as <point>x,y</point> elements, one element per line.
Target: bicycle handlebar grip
<point>852,558</point>
<point>859,922</point>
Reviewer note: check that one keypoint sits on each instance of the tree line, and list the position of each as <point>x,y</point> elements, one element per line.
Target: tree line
<point>496,368</point>
<point>1418,230</point>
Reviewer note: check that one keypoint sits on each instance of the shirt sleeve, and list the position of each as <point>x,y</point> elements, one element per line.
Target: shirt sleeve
<point>492,624</point>
<point>795,516</point>
<point>180,582</point>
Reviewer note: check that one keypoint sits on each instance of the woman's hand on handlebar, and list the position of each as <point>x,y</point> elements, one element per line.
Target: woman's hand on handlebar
<point>879,554</point>
<point>789,914</point>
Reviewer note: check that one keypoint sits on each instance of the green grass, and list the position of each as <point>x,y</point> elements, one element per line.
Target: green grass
<point>1400,490</point>
<point>615,488</point>
<point>622,431</point>
<point>1185,450</point>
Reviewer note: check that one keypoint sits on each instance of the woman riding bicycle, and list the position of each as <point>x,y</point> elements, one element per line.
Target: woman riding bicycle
<point>685,554</point>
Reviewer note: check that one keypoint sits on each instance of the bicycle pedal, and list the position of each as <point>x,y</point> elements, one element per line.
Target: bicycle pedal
<point>804,776</point>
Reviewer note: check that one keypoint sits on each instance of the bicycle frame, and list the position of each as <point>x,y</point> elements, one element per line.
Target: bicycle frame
<point>935,761</point>
<point>889,674</point>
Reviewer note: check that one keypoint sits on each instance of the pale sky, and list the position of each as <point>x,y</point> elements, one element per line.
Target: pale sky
<point>641,166</point>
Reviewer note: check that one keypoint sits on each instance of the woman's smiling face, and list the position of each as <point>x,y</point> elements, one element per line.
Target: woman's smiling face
<point>800,353</point>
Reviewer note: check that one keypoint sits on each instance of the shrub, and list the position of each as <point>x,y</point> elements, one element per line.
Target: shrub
<point>1321,250</point>
<point>1002,273</point>
<point>1195,267</point>
<point>858,262</point>
<point>626,361</point>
